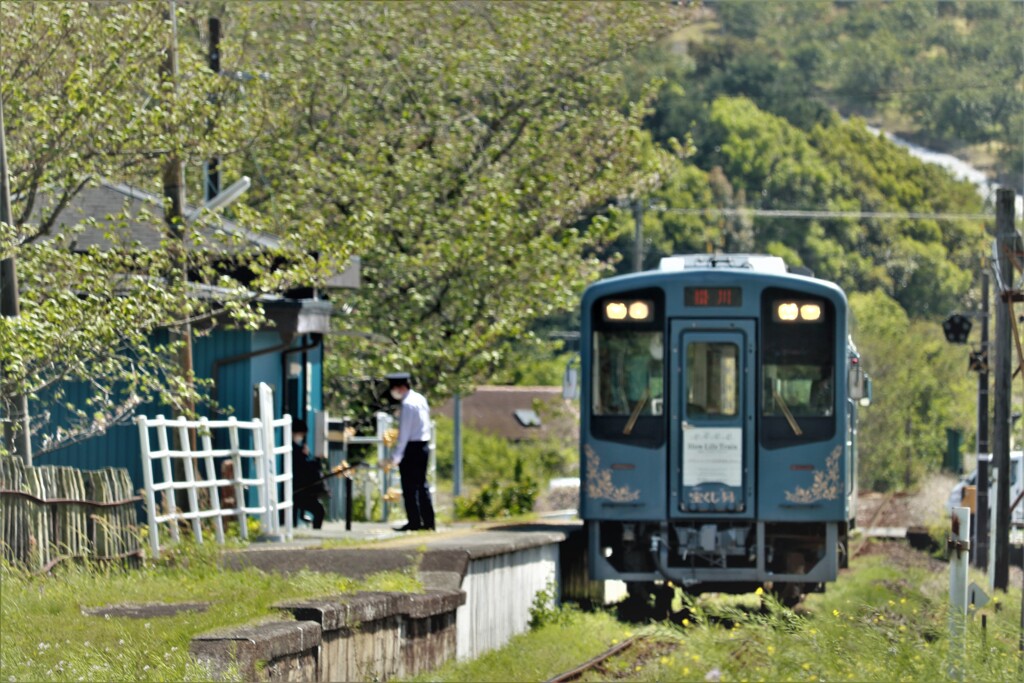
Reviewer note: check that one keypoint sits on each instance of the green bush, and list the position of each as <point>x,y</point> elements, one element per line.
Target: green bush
<point>486,457</point>
<point>500,500</point>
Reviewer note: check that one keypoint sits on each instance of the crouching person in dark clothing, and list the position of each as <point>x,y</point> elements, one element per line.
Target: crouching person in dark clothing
<point>307,477</point>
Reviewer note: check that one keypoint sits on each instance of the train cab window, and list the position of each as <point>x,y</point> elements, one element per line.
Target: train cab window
<point>798,397</point>
<point>628,372</point>
<point>712,379</point>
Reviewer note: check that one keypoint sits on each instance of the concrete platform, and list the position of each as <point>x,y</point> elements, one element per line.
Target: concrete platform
<point>480,581</point>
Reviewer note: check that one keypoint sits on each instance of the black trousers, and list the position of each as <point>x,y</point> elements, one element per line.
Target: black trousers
<point>413,468</point>
<point>309,503</point>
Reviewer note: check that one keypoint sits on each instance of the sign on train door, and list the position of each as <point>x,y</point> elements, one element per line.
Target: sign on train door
<point>713,418</point>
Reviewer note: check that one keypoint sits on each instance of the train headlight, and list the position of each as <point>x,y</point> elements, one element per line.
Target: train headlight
<point>615,310</point>
<point>788,311</point>
<point>798,311</point>
<point>636,311</point>
<point>639,310</point>
<point>810,312</point>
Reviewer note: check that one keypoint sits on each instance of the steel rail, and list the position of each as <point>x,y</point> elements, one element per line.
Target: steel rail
<point>573,674</point>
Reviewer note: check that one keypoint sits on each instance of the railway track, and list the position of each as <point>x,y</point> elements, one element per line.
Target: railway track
<point>883,507</point>
<point>594,663</point>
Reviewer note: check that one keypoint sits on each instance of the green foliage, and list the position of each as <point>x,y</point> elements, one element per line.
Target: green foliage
<point>487,457</point>
<point>918,390</point>
<point>496,500</point>
<point>545,612</point>
<point>953,70</point>
<point>458,144</point>
<point>104,107</point>
<point>46,635</point>
<point>878,606</point>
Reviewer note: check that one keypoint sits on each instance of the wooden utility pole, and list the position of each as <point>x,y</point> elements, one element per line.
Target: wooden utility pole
<point>17,437</point>
<point>638,236</point>
<point>983,454</point>
<point>174,211</point>
<point>1007,248</point>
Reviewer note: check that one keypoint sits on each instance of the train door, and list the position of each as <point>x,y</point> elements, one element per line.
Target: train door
<point>713,444</point>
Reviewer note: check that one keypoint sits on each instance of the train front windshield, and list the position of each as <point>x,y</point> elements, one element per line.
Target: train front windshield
<point>797,368</point>
<point>628,374</point>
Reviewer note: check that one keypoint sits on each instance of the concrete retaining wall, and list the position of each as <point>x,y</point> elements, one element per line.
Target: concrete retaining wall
<point>366,636</point>
<point>500,590</point>
<point>479,593</point>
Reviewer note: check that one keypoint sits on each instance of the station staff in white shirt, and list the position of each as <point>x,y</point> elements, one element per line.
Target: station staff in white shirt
<point>411,452</point>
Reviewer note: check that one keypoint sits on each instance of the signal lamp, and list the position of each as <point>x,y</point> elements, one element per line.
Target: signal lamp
<point>956,328</point>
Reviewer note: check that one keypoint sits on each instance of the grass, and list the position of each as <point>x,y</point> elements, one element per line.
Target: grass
<point>882,621</point>
<point>539,654</point>
<point>45,635</point>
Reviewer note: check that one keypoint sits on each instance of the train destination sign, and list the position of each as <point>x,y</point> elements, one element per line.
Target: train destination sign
<point>713,296</point>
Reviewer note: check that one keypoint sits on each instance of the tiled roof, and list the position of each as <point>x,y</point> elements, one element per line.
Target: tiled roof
<point>492,409</point>
<point>107,201</point>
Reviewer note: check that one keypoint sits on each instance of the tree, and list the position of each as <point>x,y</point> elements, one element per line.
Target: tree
<point>917,393</point>
<point>85,101</point>
<point>466,140</point>
<point>455,147</point>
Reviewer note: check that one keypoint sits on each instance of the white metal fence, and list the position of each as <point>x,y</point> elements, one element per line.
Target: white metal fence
<point>259,481</point>
<point>375,479</point>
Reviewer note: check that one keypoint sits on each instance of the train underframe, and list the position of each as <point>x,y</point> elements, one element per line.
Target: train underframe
<point>788,558</point>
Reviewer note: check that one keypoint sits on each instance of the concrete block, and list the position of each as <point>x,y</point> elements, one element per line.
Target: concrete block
<point>273,651</point>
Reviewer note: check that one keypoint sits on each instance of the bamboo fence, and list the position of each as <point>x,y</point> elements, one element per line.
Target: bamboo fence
<point>49,514</point>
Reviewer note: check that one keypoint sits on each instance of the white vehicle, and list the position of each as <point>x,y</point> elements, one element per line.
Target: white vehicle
<point>1016,486</point>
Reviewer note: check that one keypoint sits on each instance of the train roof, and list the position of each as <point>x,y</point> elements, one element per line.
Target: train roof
<point>759,263</point>
<point>719,268</point>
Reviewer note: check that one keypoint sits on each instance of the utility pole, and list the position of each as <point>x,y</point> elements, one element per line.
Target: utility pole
<point>983,454</point>
<point>17,437</point>
<point>174,210</point>
<point>1006,245</point>
<point>212,175</point>
<point>638,237</point>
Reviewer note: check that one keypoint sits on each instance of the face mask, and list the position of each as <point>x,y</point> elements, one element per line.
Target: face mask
<point>397,394</point>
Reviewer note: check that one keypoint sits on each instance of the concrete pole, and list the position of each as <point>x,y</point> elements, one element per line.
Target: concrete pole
<point>457,438</point>
<point>1006,245</point>
<point>17,437</point>
<point>959,545</point>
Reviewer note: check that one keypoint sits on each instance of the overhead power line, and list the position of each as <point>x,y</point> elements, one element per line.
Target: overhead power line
<point>811,214</point>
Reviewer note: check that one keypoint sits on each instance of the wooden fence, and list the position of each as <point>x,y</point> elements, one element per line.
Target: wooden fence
<point>52,513</point>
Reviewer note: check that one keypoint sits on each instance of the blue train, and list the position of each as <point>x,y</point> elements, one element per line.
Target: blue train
<point>719,400</point>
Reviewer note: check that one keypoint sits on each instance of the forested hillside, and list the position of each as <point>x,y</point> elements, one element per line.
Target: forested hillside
<point>763,106</point>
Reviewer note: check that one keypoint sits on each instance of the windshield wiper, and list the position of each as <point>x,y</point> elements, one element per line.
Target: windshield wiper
<point>785,411</point>
<point>628,429</point>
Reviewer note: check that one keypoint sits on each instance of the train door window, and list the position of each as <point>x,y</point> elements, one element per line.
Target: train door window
<point>627,401</point>
<point>797,368</point>
<point>712,379</point>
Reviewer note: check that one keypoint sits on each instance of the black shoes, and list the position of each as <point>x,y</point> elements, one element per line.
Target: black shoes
<point>409,527</point>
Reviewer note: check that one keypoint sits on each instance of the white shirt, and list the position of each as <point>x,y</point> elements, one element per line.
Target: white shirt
<point>413,423</point>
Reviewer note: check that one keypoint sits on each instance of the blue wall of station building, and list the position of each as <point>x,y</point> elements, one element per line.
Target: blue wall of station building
<point>236,382</point>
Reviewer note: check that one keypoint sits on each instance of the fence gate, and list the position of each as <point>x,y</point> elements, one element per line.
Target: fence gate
<point>195,475</point>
